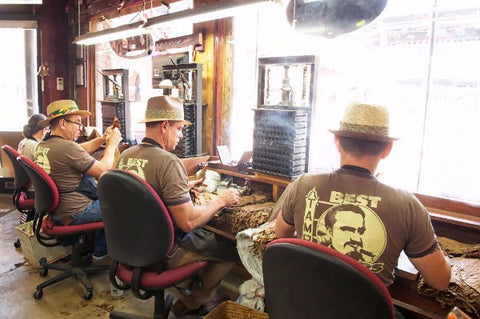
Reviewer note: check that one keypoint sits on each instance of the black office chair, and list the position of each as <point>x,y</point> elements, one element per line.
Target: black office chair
<point>306,280</point>
<point>50,234</point>
<point>23,198</point>
<point>140,235</point>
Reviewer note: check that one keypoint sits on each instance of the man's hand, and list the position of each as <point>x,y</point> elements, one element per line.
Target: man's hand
<point>229,197</point>
<point>195,183</point>
<point>112,136</point>
<point>108,131</point>
<point>195,189</point>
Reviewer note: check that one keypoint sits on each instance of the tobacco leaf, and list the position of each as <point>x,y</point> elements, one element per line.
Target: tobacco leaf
<point>464,288</point>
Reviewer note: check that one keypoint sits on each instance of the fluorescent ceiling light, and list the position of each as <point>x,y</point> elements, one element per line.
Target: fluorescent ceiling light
<point>21,2</point>
<point>203,13</point>
<point>208,12</point>
<point>121,32</point>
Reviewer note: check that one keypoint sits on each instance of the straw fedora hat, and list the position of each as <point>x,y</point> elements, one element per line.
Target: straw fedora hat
<point>365,122</point>
<point>164,108</point>
<point>62,108</point>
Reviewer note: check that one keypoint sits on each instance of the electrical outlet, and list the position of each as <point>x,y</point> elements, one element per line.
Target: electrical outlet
<point>59,84</point>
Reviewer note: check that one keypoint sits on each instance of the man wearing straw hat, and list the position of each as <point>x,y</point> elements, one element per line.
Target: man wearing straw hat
<point>393,220</point>
<point>73,169</point>
<point>152,160</point>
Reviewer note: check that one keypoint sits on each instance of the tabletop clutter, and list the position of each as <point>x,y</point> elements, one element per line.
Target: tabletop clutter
<point>464,288</point>
<point>253,209</point>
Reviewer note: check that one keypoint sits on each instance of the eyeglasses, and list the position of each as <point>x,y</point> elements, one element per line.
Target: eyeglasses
<point>80,125</point>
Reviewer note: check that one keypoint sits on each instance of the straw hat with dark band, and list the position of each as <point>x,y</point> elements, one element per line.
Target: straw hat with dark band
<point>164,108</point>
<point>61,108</point>
<point>365,122</point>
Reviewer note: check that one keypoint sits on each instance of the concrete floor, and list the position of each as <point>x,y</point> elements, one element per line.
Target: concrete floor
<point>18,280</point>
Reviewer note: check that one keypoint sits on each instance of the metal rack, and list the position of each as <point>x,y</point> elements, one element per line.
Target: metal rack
<point>191,94</point>
<point>115,101</point>
<point>282,120</point>
<point>280,141</point>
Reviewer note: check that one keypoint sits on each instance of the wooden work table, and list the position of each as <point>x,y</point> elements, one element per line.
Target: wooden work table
<point>458,221</point>
<point>277,183</point>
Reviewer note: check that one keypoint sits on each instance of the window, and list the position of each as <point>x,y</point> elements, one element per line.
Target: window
<point>420,62</point>
<point>140,69</point>
<point>18,80</point>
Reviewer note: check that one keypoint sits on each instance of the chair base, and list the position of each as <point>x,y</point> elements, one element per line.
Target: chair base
<point>80,274</point>
<point>162,308</point>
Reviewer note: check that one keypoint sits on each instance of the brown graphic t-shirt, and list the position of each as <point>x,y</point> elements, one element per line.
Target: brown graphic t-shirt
<point>161,169</point>
<point>65,161</point>
<point>357,215</point>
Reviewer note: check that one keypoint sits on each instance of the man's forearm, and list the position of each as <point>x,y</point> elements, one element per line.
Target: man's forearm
<point>92,145</point>
<point>108,156</point>
<point>206,212</point>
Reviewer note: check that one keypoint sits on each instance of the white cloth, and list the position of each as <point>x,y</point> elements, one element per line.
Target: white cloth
<point>252,291</point>
<point>252,295</point>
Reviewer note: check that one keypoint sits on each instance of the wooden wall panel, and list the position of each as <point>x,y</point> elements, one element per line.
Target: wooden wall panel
<point>216,83</point>
<point>206,59</point>
<point>54,50</point>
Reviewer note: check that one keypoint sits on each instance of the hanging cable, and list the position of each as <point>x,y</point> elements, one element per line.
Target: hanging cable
<point>142,10</point>
<point>78,14</point>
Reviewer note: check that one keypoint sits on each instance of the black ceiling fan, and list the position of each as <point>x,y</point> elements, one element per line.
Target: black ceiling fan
<point>330,18</point>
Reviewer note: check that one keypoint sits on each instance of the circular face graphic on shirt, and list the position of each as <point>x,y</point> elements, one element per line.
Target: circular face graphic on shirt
<point>42,160</point>
<point>133,165</point>
<point>353,230</point>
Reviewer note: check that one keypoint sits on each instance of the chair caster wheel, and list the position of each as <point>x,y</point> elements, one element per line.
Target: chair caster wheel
<point>42,261</point>
<point>38,294</point>
<point>43,272</point>
<point>17,243</point>
<point>88,295</point>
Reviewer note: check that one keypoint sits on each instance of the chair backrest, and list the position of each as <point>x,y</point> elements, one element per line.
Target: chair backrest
<point>138,226</point>
<point>46,192</point>
<point>21,180</point>
<point>304,279</point>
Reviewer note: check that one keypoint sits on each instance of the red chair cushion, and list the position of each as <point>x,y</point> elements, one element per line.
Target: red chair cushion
<point>152,280</point>
<point>50,229</point>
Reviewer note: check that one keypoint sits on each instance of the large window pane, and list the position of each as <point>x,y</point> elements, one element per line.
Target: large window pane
<point>430,87</point>
<point>451,156</point>
<point>18,80</point>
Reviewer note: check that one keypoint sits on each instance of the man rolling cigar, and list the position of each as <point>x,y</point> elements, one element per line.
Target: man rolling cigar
<point>73,169</point>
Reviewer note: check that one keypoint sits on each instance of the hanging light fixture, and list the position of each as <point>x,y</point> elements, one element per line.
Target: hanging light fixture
<point>123,31</point>
<point>208,12</point>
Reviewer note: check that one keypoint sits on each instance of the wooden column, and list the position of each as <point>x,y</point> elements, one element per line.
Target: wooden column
<point>218,73</point>
<point>54,50</point>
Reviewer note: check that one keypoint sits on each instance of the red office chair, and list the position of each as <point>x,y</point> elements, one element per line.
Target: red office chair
<point>306,280</point>
<point>23,199</point>
<point>140,235</point>
<point>49,234</point>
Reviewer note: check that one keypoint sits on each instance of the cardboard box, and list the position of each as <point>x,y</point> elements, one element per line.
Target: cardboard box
<point>32,250</point>
<point>7,185</point>
<point>233,310</point>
